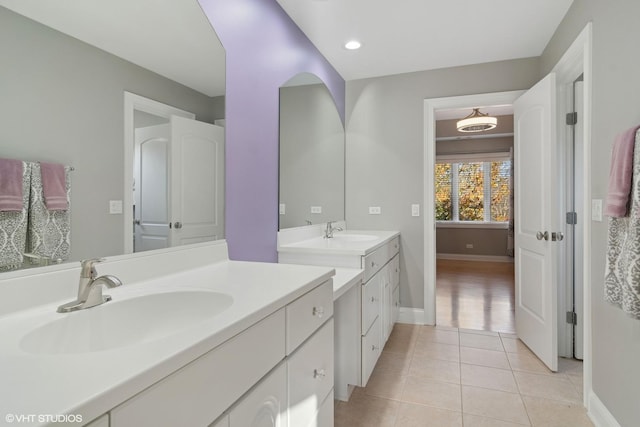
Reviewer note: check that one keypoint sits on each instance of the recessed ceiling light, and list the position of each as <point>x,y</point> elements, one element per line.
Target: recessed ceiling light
<point>352,45</point>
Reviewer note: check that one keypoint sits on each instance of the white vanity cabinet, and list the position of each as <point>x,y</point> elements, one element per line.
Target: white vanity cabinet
<point>277,369</point>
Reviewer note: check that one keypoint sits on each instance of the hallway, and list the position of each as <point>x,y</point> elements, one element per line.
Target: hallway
<point>475,295</point>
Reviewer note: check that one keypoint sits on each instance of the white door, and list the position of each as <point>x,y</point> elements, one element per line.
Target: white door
<point>197,181</point>
<point>536,188</point>
<point>150,194</point>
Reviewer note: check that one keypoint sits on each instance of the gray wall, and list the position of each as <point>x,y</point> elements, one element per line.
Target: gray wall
<point>485,241</point>
<point>615,107</point>
<point>384,153</point>
<point>62,101</point>
<point>311,156</point>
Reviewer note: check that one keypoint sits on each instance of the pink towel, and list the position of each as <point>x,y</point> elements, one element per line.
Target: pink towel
<point>54,186</point>
<point>11,185</point>
<point>621,174</point>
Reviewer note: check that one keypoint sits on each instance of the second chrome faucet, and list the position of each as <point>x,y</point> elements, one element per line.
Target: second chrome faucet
<point>90,287</point>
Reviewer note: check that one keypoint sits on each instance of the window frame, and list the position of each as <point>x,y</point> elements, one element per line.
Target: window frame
<point>472,158</point>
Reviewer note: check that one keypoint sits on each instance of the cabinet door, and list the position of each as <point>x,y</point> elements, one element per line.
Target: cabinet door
<point>396,304</point>
<point>265,405</point>
<point>387,322</point>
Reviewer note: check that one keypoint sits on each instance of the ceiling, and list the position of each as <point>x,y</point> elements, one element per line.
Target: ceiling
<point>460,113</point>
<point>413,35</point>
<point>397,37</point>
<point>149,33</point>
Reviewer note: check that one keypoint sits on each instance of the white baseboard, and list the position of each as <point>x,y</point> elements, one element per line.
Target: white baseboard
<point>599,414</point>
<point>464,257</point>
<point>410,315</point>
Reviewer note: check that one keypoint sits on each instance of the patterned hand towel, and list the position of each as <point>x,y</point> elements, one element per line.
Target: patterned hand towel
<point>13,226</point>
<point>11,190</point>
<point>54,186</point>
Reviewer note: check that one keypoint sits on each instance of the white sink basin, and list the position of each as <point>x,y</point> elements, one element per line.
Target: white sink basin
<point>121,323</point>
<point>354,237</point>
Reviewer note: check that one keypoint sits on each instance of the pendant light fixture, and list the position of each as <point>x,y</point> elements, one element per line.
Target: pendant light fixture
<point>477,122</point>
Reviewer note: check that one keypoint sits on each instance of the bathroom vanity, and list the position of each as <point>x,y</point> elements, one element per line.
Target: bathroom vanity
<point>365,309</point>
<point>190,339</point>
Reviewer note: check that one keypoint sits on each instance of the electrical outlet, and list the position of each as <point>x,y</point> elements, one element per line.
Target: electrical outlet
<point>375,210</point>
<point>283,209</point>
<point>316,209</point>
<point>469,245</point>
<point>115,206</point>
<point>415,210</point>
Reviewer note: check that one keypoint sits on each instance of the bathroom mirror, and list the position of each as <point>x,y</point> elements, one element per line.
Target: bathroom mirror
<point>65,69</point>
<point>312,150</point>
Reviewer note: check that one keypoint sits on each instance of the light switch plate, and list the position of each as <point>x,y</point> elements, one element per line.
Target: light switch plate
<point>375,210</point>
<point>415,210</point>
<point>115,206</point>
<point>316,209</point>
<point>282,209</point>
<point>596,210</point>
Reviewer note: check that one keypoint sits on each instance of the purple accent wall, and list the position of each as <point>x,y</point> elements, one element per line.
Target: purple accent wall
<point>264,50</point>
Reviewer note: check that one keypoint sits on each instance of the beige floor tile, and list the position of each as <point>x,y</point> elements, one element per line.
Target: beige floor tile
<point>479,332</point>
<point>478,356</point>
<point>434,350</point>
<point>556,387</point>
<point>412,415</point>
<point>570,366</point>
<point>400,343</point>
<point>494,404</point>
<point>393,363</point>
<point>440,370</point>
<point>493,378</point>
<point>440,335</point>
<point>432,393</point>
<point>478,421</point>
<point>365,411</point>
<point>389,386</point>
<point>507,335</point>
<point>486,342</point>
<point>578,384</point>
<point>549,413</point>
<point>514,345</point>
<point>528,363</point>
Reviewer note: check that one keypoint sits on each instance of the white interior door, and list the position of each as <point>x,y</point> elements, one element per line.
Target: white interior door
<point>578,277</point>
<point>197,181</point>
<point>536,189</point>
<point>151,180</point>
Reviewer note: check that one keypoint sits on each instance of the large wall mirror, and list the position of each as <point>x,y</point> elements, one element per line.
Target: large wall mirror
<point>66,70</point>
<point>312,154</point>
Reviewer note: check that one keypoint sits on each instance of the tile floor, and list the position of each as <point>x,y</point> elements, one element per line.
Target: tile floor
<point>443,376</point>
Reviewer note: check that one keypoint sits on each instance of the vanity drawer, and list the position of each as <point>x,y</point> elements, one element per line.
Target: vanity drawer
<point>370,351</point>
<point>374,261</point>
<point>307,313</point>
<point>201,391</point>
<point>370,302</point>
<point>310,373</point>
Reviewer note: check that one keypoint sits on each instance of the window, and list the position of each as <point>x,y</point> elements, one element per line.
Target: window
<point>473,189</point>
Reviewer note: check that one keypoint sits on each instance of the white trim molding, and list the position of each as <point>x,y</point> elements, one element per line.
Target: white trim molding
<point>470,257</point>
<point>598,412</point>
<point>414,316</point>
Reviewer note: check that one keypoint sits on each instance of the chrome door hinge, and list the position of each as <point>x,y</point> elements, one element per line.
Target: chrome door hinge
<point>572,317</point>
<point>572,218</point>
<point>572,118</point>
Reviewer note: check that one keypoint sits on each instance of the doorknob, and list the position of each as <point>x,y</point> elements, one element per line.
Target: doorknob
<point>540,235</point>
<point>136,222</point>
<point>557,236</point>
<point>177,224</point>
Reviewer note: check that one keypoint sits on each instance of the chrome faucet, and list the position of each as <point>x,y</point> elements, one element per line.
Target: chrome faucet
<point>90,287</point>
<point>328,232</point>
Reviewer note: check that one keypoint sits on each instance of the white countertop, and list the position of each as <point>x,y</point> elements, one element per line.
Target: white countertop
<point>338,246</point>
<point>91,384</point>
<point>345,279</point>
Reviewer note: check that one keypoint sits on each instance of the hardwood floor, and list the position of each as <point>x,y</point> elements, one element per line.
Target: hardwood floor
<point>475,295</point>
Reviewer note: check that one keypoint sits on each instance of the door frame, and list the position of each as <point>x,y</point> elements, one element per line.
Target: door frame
<point>430,107</point>
<point>133,103</point>
<point>575,61</point>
